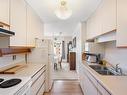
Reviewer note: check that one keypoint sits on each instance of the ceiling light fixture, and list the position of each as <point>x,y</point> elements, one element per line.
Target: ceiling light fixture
<point>63,12</point>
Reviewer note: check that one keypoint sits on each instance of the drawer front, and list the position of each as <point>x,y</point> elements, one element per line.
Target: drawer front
<point>38,83</point>
<point>42,89</point>
<point>102,90</point>
<point>35,77</point>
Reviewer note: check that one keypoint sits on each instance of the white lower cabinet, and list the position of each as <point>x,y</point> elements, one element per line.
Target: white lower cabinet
<point>90,85</point>
<point>102,90</point>
<point>38,85</point>
<point>42,90</point>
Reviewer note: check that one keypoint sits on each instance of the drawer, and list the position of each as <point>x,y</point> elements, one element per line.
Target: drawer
<point>102,90</point>
<point>35,77</point>
<point>38,83</point>
<point>42,89</point>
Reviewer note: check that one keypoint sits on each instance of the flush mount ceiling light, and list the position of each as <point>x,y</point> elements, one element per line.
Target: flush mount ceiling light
<point>63,12</point>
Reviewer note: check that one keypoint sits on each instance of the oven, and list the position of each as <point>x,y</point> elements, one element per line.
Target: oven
<point>25,90</point>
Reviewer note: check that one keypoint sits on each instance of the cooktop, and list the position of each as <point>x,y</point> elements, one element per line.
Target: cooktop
<point>10,83</point>
<point>1,80</point>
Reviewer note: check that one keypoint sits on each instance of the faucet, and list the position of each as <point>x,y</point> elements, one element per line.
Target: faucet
<point>118,69</point>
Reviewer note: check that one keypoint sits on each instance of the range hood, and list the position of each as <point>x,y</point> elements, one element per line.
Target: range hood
<point>4,32</point>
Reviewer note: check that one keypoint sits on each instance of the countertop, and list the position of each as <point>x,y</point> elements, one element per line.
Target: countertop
<point>116,85</point>
<point>25,74</point>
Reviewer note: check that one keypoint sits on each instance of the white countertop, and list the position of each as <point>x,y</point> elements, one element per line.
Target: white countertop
<point>25,74</point>
<point>116,85</point>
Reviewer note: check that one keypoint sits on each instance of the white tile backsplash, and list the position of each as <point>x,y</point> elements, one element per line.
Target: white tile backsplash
<point>116,55</point>
<point>8,60</point>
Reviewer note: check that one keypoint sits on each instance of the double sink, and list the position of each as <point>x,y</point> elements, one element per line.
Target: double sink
<point>103,70</point>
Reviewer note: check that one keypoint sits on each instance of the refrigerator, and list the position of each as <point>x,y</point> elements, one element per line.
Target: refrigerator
<point>43,54</point>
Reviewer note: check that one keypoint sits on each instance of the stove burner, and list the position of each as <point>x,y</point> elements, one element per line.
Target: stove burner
<point>10,83</point>
<point>1,79</point>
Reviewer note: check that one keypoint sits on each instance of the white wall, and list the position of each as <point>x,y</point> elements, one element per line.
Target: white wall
<point>7,60</point>
<point>116,55</point>
<point>54,29</point>
<point>78,34</point>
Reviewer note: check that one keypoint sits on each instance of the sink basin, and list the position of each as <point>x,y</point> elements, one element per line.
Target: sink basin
<point>105,72</point>
<point>98,67</point>
<point>102,70</point>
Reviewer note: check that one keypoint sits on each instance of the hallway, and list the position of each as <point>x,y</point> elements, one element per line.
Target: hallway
<point>65,73</point>
<point>65,88</point>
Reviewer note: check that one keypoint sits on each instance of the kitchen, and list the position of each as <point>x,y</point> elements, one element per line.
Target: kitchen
<point>27,31</point>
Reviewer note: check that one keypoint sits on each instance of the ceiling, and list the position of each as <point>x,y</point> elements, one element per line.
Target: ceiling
<point>81,9</point>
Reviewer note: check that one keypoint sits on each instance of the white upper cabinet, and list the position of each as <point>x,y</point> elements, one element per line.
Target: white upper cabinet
<point>34,27</point>
<point>90,33</point>
<point>121,23</point>
<point>4,11</point>
<point>18,22</point>
<point>103,20</point>
<point>31,31</point>
<point>108,15</point>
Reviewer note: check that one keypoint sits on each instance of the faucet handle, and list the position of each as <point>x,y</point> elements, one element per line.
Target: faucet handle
<point>117,65</point>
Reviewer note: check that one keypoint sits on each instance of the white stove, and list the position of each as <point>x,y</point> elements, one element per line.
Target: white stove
<point>10,85</point>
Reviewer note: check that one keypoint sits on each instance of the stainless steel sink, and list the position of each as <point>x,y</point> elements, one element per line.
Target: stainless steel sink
<point>98,67</point>
<point>103,70</point>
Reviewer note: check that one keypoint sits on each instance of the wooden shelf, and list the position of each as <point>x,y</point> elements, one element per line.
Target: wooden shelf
<point>19,50</point>
<point>2,23</point>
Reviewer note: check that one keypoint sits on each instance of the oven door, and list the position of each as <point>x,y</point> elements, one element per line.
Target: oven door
<point>26,90</point>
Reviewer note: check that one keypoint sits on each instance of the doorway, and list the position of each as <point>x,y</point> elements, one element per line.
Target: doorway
<point>61,60</point>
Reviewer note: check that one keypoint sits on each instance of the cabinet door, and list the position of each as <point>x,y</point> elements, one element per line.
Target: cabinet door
<point>90,86</point>
<point>102,90</point>
<point>18,22</point>
<point>94,25</point>
<point>108,11</point>
<point>4,11</point>
<point>34,27</point>
<point>81,79</point>
<point>121,23</point>
<point>90,28</point>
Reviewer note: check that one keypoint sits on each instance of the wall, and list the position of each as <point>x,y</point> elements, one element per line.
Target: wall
<point>116,55</point>
<point>7,60</point>
<point>79,33</point>
<point>66,39</point>
<point>54,29</point>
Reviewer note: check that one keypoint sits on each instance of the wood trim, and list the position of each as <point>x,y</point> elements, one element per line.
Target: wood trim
<point>2,23</point>
<point>7,51</point>
<point>21,47</point>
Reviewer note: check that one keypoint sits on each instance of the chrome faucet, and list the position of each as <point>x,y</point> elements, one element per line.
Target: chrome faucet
<point>118,69</point>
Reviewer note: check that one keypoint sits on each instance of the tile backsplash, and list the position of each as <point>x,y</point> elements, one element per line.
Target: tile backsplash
<point>8,60</point>
<point>116,55</point>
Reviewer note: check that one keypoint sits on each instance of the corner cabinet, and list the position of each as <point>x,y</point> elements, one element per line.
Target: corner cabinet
<point>4,11</point>
<point>121,23</point>
<point>18,22</point>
